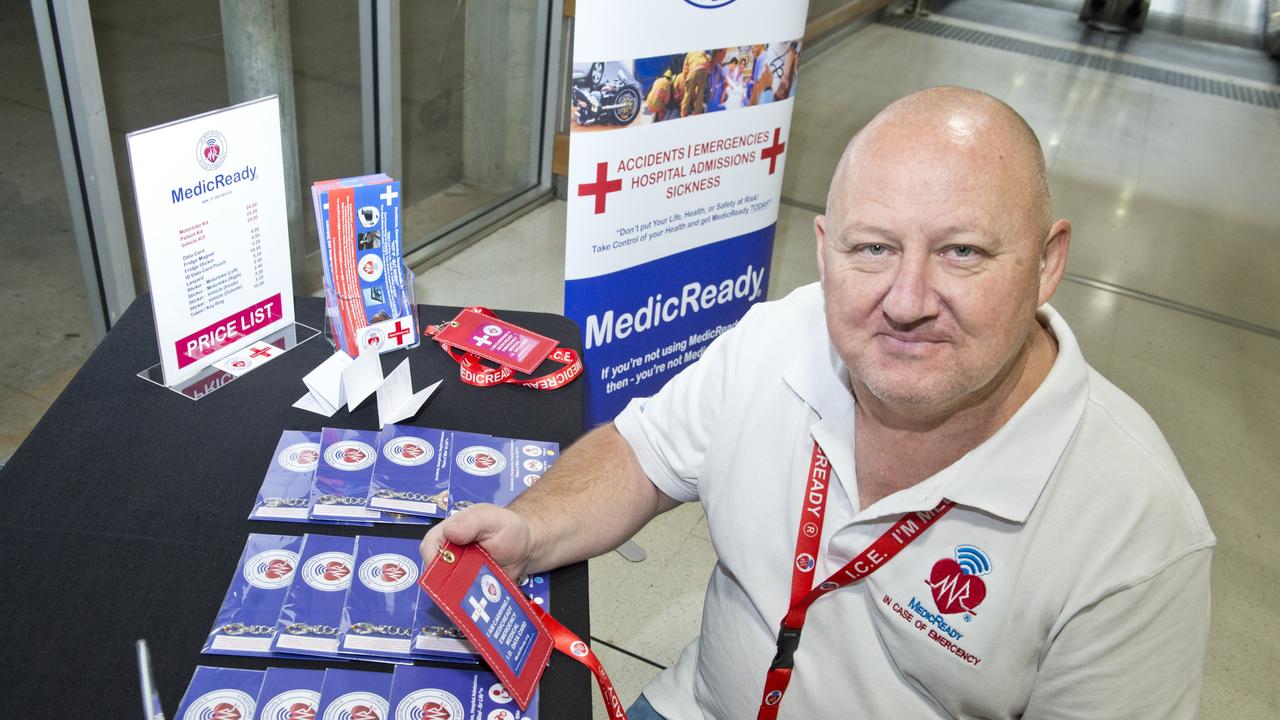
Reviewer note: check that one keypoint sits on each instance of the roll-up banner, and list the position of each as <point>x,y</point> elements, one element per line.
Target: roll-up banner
<point>679,116</point>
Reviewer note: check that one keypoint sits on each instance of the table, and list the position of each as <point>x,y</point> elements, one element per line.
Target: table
<point>124,514</point>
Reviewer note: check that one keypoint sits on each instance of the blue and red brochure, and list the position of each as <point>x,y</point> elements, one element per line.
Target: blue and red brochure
<point>377,618</point>
<point>289,694</point>
<point>368,291</point>
<point>355,695</point>
<point>246,622</point>
<point>220,693</point>
<point>286,489</point>
<point>426,692</point>
<point>311,613</point>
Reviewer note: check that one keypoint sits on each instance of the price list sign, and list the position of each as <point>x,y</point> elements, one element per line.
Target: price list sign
<point>211,207</point>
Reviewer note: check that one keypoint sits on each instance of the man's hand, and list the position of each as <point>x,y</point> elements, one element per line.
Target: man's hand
<point>502,533</point>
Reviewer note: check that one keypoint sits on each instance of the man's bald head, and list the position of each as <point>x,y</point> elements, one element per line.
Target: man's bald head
<point>952,123</point>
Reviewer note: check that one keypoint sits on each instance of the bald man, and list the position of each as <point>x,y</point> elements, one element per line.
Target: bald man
<point>924,502</point>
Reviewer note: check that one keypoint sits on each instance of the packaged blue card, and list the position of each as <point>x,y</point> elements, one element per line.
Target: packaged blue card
<point>220,694</point>
<point>411,474</point>
<point>377,619</point>
<point>289,694</point>
<point>312,609</point>
<point>419,693</point>
<point>355,695</point>
<point>437,638</point>
<point>535,457</point>
<point>495,470</point>
<point>286,489</point>
<point>341,488</point>
<point>247,620</point>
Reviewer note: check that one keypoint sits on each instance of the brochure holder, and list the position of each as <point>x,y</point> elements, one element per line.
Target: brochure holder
<point>369,338</point>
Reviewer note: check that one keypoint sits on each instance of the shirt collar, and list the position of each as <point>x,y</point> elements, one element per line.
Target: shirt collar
<point>1004,475</point>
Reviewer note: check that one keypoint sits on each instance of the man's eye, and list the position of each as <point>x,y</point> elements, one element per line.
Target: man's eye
<point>964,251</point>
<point>874,250</point>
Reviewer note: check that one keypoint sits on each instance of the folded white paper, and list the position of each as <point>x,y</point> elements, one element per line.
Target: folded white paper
<point>396,399</point>
<point>325,383</point>
<point>361,378</point>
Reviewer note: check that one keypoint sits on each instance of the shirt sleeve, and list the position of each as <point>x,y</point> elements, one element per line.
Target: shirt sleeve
<point>1137,652</point>
<point>671,431</point>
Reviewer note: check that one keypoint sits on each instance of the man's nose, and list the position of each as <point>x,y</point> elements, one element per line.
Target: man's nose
<point>911,296</point>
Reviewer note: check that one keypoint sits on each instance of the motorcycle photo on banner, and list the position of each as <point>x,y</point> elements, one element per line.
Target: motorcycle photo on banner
<point>678,140</point>
<point>597,100</point>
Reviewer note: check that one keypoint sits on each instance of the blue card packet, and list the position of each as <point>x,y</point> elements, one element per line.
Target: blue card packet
<point>312,609</point>
<point>428,692</point>
<point>479,467</point>
<point>411,474</point>
<point>286,489</point>
<point>220,693</point>
<point>495,470</point>
<point>377,618</point>
<point>289,694</point>
<point>246,622</point>
<point>355,695</point>
<point>341,488</point>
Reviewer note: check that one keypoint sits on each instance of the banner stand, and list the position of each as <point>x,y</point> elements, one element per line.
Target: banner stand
<point>215,378</point>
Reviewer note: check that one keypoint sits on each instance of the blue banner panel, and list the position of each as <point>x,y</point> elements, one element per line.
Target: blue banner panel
<point>642,324</point>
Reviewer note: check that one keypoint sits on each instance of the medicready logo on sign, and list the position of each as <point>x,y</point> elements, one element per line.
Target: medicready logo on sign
<point>678,140</point>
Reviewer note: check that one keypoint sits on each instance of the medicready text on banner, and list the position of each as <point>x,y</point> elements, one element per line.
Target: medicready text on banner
<point>680,112</point>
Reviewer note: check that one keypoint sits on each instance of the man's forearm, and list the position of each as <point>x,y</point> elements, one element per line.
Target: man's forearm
<point>593,499</point>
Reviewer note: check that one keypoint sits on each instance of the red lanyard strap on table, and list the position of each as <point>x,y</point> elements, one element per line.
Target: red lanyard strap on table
<point>571,645</point>
<point>803,593</point>
<point>474,372</point>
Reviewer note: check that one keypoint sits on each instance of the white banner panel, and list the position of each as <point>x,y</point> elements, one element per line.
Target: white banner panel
<point>680,113</point>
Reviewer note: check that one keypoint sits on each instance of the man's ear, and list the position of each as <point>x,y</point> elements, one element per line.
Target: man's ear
<point>1053,259</point>
<point>820,234</point>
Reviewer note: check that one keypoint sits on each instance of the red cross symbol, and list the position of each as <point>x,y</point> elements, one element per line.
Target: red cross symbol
<point>261,351</point>
<point>399,333</point>
<point>772,152</point>
<point>601,187</point>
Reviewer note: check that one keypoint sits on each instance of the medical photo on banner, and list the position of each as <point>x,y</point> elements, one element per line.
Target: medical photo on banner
<point>678,138</point>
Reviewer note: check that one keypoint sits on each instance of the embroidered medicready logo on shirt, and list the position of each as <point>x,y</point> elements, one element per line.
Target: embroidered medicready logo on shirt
<point>408,451</point>
<point>270,569</point>
<point>349,455</point>
<point>430,705</point>
<point>357,706</point>
<point>292,705</point>
<point>221,705</point>
<point>328,571</point>
<point>956,583</point>
<point>300,457</point>
<point>388,573</point>
<point>481,460</point>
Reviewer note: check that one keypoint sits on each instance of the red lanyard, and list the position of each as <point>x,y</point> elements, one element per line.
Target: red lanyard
<point>803,593</point>
<point>569,644</point>
<point>474,372</point>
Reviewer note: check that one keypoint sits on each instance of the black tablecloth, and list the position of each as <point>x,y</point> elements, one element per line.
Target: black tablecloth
<point>124,515</point>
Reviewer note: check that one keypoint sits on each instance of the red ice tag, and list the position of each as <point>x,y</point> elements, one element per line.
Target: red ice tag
<point>496,340</point>
<point>494,615</point>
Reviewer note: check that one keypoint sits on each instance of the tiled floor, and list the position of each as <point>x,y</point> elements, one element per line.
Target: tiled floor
<point>1172,195</point>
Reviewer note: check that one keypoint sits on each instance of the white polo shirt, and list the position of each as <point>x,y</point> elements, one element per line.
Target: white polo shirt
<point>1084,553</point>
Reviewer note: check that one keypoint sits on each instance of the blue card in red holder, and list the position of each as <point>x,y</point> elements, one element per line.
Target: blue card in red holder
<point>494,615</point>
